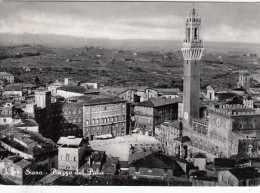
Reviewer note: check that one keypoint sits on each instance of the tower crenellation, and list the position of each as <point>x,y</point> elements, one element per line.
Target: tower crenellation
<point>192,45</point>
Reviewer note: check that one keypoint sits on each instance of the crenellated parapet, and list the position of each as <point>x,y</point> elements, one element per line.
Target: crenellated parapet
<point>235,110</point>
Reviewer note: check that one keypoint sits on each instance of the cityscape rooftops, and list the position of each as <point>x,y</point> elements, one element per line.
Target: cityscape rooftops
<point>169,123</point>
<point>157,102</point>
<point>18,160</point>
<point>27,123</point>
<point>156,160</point>
<point>234,110</point>
<point>78,89</point>
<point>118,90</point>
<point>167,90</point>
<point>239,89</point>
<point>103,101</point>
<point>5,74</point>
<point>244,173</point>
<point>200,155</point>
<point>224,162</point>
<point>28,142</point>
<point>13,87</point>
<point>87,97</point>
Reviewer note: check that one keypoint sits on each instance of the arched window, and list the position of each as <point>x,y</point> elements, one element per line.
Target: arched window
<point>195,33</point>
<point>67,156</point>
<point>188,34</point>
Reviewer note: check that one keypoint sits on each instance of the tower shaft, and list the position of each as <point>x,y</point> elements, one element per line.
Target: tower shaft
<point>191,90</point>
<point>192,51</point>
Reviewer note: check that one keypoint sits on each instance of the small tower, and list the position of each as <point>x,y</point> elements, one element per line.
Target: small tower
<point>43,100</point>
<point>192,52</point>
<point>244,80</point>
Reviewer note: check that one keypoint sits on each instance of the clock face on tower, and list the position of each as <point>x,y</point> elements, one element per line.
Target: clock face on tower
<point>218,122</point>
<point>186,116</point>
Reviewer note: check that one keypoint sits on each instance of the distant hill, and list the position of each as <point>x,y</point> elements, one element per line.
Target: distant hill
<point>59,41</point>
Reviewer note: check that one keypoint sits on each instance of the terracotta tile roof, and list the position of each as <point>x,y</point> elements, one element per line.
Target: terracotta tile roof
<point>157,160</point>
<point>157,102</point>
<point>244,173</point>
<point>13,87</point>
<point>103,101</point>
<point>70,141</point>
<point>78,89</point>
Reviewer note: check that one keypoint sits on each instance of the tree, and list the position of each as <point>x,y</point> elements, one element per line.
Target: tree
<point>37,80</point>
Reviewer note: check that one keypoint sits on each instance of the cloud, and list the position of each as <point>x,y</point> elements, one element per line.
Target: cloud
<point>138,28</point>
<point>142,20</point>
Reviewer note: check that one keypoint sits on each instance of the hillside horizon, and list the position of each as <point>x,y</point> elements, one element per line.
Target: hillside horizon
<point>60,41</point>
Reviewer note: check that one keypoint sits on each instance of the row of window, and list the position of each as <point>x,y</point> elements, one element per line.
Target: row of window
<point>68,129</point>
<point>117,133</point>
<point>6,112</point>
<point>105,107</point>
<point>68,157</point>
<point>102,128</point>
<point>105,120</point>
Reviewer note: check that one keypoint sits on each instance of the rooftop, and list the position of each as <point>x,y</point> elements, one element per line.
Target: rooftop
<point>13,87</point>
<point>18,161</point>
<point>78,89</point>
<point>97,156</point>
<point>157,102</point>
<point>103,101</point>
<point>224,162</point>
<point>169,123</point>
<point>200,155</point>
<point>5,74</point>
<point>27,123</point>
<point>70,141</point>
<point>37,143</point>
<point>118,90</point>
<point>167,90</point>
<point>244,173</point>
<point>239,89</point>
<point>156,160</point>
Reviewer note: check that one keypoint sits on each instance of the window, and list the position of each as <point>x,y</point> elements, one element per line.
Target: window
<point>196,33</point>
<point>188,34</point>
<point>3,170</point>
<point>67,156</point>
<point>150,170</point>
<point>136,169</point>
<point>74,159</point>
<point>165,170</point>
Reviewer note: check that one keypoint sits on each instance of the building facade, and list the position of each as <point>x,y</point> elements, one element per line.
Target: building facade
<point>7,76</point>
<point>166,133</point>
<point>104,116</point>
<point>70,153</point>
<point>150,113</point>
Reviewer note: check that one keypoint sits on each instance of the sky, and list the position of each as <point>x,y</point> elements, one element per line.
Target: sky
<point>221,22</point>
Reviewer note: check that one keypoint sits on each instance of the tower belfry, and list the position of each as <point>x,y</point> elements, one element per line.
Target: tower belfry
<point>192,52</point>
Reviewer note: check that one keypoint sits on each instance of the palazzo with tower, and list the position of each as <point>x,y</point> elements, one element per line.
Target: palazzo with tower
<point>227,129</point>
